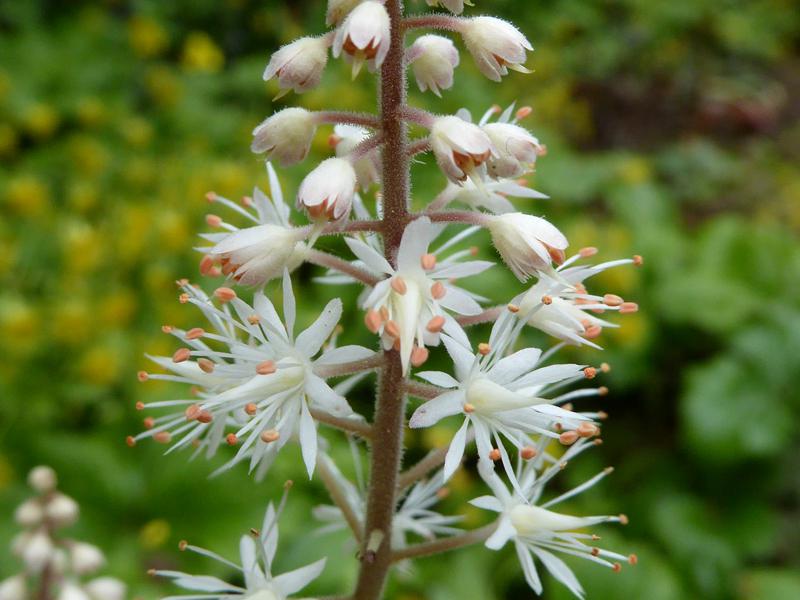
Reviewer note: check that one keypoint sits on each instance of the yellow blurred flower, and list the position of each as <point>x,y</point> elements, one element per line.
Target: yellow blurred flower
<point>200,53</point>
<point>91,112</point>
<point>27,195</point>
<point>231,178</point>
<point>20,326</point>
<point>8,140</point>
<point>82,196</point>
<point>163,86</point>
<point>134,223</point>
<point>100,365</point>
<point>82,246</point>
<point>147,37</point>
<point>71,322</point>
<point>155,534</point>
<point>175,236</point>
<point>635,170</point>
<point>118,308</point>
<point>138,132</point>
<point>40,120</point>
<point>89,156</point>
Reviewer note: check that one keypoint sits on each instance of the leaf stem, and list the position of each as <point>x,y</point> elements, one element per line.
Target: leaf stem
<point>446,544</point>
<point>323,259</point>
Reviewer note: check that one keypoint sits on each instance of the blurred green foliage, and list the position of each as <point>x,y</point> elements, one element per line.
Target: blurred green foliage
<point>673,132</point>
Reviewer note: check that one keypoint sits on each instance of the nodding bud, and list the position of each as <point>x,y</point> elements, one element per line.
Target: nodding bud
<point>460,147</point>
<point>433,59</point>
<point>527,244</point>
<point>285,136</point>
<point>298,66</point>
<point>364,36</point>
<point>496,46</point>
<point>517,150</point>
<point>454,6</point>
<point>43,479</point>
<point>327,191</point>
<point>338,10</point>
<point>86,558</point>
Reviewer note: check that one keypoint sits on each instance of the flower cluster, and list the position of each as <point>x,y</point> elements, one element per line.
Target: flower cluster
<point>257,386</point>
<point>55,566</point>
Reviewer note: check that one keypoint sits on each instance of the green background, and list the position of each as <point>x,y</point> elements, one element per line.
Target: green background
<point>672,129</point>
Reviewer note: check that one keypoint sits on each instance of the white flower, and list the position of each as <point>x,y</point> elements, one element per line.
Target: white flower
<point>105,588</point>
<point>496,46</point>
<point>85,558</point>
<point>528,245</point>
<point>500,397</point>
<point>459,146</point>
<point>433,59</point>
<point>454,6</point>
<point>407,307</point>
<point>257,557</point>
<point>37,551</point>
<point>539,532</point>
<point>364,36</point>
<point>61,510</point>
<point>42,479</point>
<point>338,10</point>
<point>14,588</point>
<point>516,150</point>
<point>285,136</point>
<point>254,255</point>
<point>563,308</point>
<point>261,387</point>
<point>29,513</point>
<point>347,138</point>
<point>299,65</point>
<point>327,192</point>
<point>491,195</point>
<point>414,516</point>
<point>72,591</point>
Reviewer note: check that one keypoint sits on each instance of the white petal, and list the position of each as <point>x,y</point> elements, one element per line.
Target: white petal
<point>511,367</point>
<point>368,256</point>
<point>462,357</point>
<point>549,374</point>
<point>416,238</point>
<point>504,532</point>
<point>308,440</point>
<point>294,581</point>
<point>455,452</point>
<point>289,306</point>
<point>529,568</point>
<point>458,301</point>
<point>559,569</point>
<point>325,398</point>
<point>344,354</point>
<point>444,405</point>
<point>438,378</point>
<point>310,340</point>
<point>464,269</point>
<point>487,503</point>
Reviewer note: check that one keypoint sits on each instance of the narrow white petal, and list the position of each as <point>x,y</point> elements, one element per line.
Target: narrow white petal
<point>455,453</point>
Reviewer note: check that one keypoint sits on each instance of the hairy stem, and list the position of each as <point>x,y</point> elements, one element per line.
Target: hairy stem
<point>424,390</point>
<point>419,146</point>
<point>446,544</point>
<point>330,261</point>
<point>459,216</point>
<point>487,316</point>
<point>349,368</point>
<point>355,426</point>
<point>348,118</point>
<point>434,21</point>
<point>389,421</point>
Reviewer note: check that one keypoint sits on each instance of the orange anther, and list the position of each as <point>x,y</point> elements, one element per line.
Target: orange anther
<point>266,367</point>
<point>206,265</point>
<point>130,441</point>
<point>428,261</point>
<point>435,324</point>
<point>224,294</point>
<point>191,412</point>
<point>513,308</point>
<point>142,376</point>
<point>484,348</point>
<point>438,290</point>
<point>612,300</point>
<point>183,298</point>
<point>547,300</point>
<point>392,329</point>
<point>213,220</point>
<point>206,365</point>
<point>163,437</point>
<point>638,260</point>
<point>231,439</point>
<point>468,408</point>
<point>628,307</point>
<point>528,452</point>
<point>148,422</point>
<point>270,435</point>
<point>587,252</point>
<point>195,333</point>
<point>524,112</point>
<point>587,430</point>
<point>250,408</point>
<point>633,559</point>
<point>568,438</point>
<point>495,454</point>
<point>399,285</point>
<point>254,319</point>
<point>590,372</point>
<point>211,196</point>
<point>373,321</point>
<point>181,355</point>
<point>205,417</point>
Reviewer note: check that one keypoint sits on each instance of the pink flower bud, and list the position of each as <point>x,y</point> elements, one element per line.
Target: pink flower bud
<point>527,244</point>
<point>364,36</point>
<point>516,150</point>
<point>459,146</point>
<point>327,192</point>
<point>298,66</point>
<point>433,59</point>
<point>496,46</point>
<point>285,136</point>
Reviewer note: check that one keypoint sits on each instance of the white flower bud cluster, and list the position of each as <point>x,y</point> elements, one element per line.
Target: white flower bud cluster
<point>50,562</point>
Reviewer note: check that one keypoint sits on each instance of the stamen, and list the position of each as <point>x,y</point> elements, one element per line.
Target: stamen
<point>211,196</point>
<point>206,265</point>
<point>250,408</point>
<point>547,300</point>
<point>213,220</point>
<point>495,454</point>
<point>182,545</point>
<point>628,307</point>
<point>612,300</point>
<point>436,324</point>
<point>616,568</point>
<point>167,328</point>
<point>373,321</point>
<point>392,329</point>
<point>524,112</point>
<point>181,355</point>
<point>528,452</point>
<point>266,367</point>
<point>468,408</point>
<point>206,365</point>
<point>419,355</point>
<point>183,298</point>
<point>130,441</point>
<point>399,285</point>
<point>568,438</point>
<point>224,294</point>
<point>270,435</point>
<point>590,372</point>
<point>605,367</point>
<point>428,261</point>
<point>438,290</point>
<point>587,430</point>
<point>140,405</point>
<point>638,260</point>
<point>231,439</point>
<point>588,251</point>
<point>195,333</point>
<point>484,348</point>
<point>192,412</point>
<point>633,559</point>
<point>205,417</point>
<point>602,391</point>
<point>593,332</point>
<point>163,437</point>
<point>623,519</point>
<point>142,376</point>
<point>513,308</point>
<point>254,319</point>
<point>149,422</point>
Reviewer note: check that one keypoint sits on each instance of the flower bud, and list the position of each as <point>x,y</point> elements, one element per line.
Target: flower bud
<point>433,59</point>
<point>527,244</point>
<point>37,551</point>
<point>14,588</point>
<point>327,192</point>
<point>285,136</point>
<point>71,591</point>
<point>338,10</point>
<point>516,150</point>
<point>364,36</point>
<point>43,479</point>
<point>255,255</point>
<point>62,510</point>
<point>459,146</point>
<point>454,6</point>
<point>29,513</point>
<point>496,46</point>
<point>106,588</point>
<point>85,558</point>
<point>298,66</point>
<point>349,137</point>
